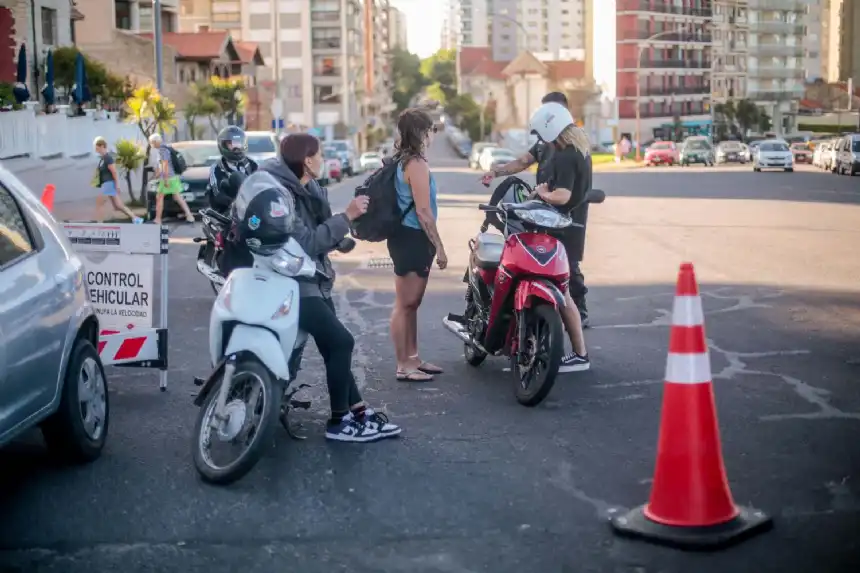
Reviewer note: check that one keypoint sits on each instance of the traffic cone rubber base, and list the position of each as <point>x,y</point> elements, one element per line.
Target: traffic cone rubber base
<point>749,522</point>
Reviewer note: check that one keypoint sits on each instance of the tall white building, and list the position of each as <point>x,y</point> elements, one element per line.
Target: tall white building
<point>397,37</point>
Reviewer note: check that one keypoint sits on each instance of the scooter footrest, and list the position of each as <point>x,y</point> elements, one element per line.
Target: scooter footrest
<point>458,318</point>
<point>304,405</point>
<point>199,381</point>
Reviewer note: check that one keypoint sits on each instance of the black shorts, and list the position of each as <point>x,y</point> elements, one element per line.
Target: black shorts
<point>411,252</point>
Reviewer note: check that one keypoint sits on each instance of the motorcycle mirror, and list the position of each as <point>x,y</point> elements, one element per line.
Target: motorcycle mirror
<point>595,196</point>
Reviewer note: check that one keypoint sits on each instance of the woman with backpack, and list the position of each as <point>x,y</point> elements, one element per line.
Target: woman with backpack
<point>414,244</point>
<point>169,182</point>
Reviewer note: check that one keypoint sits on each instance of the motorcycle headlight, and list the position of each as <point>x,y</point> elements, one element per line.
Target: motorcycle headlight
<point>543,218</point>
<point>287,264</point>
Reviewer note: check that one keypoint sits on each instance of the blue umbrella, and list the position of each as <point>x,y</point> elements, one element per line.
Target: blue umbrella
<point>20,90</point>
<point>78,89</point>
<point>48,90</point>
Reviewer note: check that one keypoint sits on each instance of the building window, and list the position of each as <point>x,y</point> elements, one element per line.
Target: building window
<point>325,38</point>
<point>49,27</point>
<point>325,94</point>
<point>227,17</point>
<point>326,66</point>
<point>123,15</point>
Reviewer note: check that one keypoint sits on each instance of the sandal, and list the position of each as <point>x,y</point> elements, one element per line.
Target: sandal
<point>428,368</point>
<point>413,375</point>
<point>189,218</point>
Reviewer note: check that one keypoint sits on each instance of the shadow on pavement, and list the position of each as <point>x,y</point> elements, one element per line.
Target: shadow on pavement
<point>477,482</point>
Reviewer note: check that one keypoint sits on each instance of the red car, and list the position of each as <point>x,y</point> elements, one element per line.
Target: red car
<point>661,153</point>
<point>335,169</point>
<point>801,153</point>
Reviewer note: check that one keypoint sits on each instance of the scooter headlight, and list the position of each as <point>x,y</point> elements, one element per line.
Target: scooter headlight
<point>543,218</point>
<point>287,264</point>
<point>285,307</point>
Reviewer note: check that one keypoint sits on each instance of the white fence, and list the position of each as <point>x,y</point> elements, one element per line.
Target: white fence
<point>27,133</point>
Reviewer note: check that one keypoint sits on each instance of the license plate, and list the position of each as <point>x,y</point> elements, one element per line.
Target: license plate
<point>733,156</point>
<point>189,196</point>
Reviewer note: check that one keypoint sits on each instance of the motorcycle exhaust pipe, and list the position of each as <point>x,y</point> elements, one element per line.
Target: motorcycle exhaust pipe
<point>459,331</point>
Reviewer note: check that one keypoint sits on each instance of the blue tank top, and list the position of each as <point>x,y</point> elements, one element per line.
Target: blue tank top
<point>404,198</point>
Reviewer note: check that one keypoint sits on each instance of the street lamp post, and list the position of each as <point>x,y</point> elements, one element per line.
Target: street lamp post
<point>641,48</point>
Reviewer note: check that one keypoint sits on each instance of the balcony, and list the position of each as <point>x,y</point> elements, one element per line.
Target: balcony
<point>785,95</point>
<point>668,64</point>
<point>325,43</point>
<point>776,27</point>
<point>667,91</point>
<point>680,37</point>
<point>798,6</point>
<point>773,72</point>
<point>660,8</point>
<point>776,50</point>
<point>325,16</point>
<point>667,113</point>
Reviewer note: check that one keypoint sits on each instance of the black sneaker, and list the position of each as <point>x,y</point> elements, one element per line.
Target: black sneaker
<point>583,316</point>
<point>351,430</point>
<point>379,422</point>
<point>573,362</point>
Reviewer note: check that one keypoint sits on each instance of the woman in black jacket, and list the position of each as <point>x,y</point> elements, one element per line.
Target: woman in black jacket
<point>319,232</point>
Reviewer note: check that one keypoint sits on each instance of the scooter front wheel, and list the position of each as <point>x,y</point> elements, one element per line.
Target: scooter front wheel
<point>251,409</point>
<point>535,367</point>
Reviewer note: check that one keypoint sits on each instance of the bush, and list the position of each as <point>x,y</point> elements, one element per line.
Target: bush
<point>846,127</point>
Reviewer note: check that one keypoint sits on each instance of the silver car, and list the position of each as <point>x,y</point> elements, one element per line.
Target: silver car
<point>51,375</point>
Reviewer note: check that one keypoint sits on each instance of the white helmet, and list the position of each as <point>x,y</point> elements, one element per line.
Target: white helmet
<point>549,121</point>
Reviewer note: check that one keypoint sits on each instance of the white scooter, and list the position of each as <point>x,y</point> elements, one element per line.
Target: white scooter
<point>255,345</point>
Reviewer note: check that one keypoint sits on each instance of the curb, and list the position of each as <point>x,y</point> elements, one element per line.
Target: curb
<point>43,164</point>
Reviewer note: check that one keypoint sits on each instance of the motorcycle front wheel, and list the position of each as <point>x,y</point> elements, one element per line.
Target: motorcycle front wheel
<point>535,366</point>
<point>210,258</point>
<point>252,408</point>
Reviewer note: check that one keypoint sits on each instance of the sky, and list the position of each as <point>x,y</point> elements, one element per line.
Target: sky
<point>423,24</point>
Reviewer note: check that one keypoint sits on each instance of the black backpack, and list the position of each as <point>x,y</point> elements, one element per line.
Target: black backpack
<point>177,161</point>
<point>383,215</point>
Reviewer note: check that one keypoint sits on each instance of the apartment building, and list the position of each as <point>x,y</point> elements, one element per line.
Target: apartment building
<point>549,29</point>
<point>664,48</point>
<point>397,36</point>
<point>849,41</point>
<point>377,101</point>
<point>813,39</point>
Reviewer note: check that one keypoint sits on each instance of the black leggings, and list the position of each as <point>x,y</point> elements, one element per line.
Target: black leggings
<point>317,317</point>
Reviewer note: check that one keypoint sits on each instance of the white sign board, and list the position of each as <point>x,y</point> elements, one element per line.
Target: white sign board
<point>116,238</point>
<point>122,289</point>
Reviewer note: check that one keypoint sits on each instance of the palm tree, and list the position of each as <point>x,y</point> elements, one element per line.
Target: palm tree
<point>229,94</point>
<point>200,104</point>
<point>151,112</point>
<point>129,158</point>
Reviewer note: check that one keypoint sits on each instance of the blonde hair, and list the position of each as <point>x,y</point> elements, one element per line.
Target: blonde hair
<point>100,142</point>
<point>575,136</point>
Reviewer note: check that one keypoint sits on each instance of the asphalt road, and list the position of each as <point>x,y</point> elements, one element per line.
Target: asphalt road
<point>477,482</point>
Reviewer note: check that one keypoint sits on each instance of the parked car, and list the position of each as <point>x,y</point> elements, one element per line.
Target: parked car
<point>477,148</point>
<point>262,145</point>
<point>334,168</point>
<point>746,154</point>
<point>51,376</point>
<point>199,157</point>
<point>730,152</point>
<point>801,153</point>
<point>492,157</point>
<point>370,161</point>
<point>662,153</point>
<point>818,154</point>
<point>696,150</point>
<point>346,154</point>
<point>847,155</point>
<point>773,154</point>
<point>828,156</point>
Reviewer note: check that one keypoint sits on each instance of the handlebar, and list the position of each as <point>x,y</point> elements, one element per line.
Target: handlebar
<point>209,212</point>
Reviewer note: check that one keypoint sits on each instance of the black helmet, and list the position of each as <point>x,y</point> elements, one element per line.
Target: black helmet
<point>263,214</point>
<point>232,143</point>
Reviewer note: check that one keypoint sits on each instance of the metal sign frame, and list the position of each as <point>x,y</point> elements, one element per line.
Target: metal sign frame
<point>136,348</point>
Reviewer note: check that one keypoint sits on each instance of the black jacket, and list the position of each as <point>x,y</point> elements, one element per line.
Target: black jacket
<point>219,193</point>
<point>316,229</point>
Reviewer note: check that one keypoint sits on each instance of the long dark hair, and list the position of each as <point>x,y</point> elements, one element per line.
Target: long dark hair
<point>412,126</point>
<point>297,147</point>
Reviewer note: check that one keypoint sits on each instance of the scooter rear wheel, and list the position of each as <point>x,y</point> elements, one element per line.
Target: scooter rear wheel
<point>545,340</point>
<point>253,440</point>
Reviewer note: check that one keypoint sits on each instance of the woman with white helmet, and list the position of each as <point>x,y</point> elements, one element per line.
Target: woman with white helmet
<point>563,183</point>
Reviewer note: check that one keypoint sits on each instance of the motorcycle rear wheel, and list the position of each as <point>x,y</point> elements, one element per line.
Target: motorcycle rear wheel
<point>533,383</point>
<point>209,258</point>
<point>266,409</point>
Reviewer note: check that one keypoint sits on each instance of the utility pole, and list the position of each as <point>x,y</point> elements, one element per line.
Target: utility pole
<point>159,72</point>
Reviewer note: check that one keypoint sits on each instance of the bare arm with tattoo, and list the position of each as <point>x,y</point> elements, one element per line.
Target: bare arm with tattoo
<point>418,177</point>
<point>518,165</point>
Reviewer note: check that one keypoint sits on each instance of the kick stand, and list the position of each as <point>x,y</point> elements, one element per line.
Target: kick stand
<point>290,404</point>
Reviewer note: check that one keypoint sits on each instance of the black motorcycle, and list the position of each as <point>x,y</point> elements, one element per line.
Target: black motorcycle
<point>215,228</point>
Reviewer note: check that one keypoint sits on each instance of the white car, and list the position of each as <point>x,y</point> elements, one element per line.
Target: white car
<point>492,157</point>
<point>475,154</point>
<point>773,154</point>
<point>818,154</point>
<point>828,156</point>
<point>370,161</point>
<point>262,145</point>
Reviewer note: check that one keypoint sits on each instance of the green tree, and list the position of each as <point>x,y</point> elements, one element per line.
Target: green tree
<point>441,69</point>
<point>466,114</point>
<point>764,122</point>
<point>200,104</point>
<point>151,112</point>
<point>229,94</point>
<point>746,116</point>
<point>129,157</point>
<point>406,77</point>
<point>101,82</point>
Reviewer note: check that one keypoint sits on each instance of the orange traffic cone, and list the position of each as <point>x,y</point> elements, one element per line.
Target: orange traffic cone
<point>691,505</point>
<point>48,197</point>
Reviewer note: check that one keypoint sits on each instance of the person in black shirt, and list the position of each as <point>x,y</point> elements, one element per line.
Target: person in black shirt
<point>232,144</point>
<point>565,178</point>
<point>574,237</point>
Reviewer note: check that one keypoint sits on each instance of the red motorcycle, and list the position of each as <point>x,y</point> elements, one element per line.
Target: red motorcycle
<point>515,288</point>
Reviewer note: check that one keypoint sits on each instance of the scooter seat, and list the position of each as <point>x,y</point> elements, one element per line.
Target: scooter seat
<point>488,250</point>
